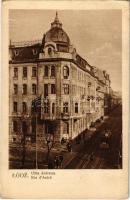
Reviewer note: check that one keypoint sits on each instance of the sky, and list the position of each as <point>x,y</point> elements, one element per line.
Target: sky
<point>96,34</point>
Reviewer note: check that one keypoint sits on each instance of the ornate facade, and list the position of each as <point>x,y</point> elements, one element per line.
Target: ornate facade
<point>71,93</point>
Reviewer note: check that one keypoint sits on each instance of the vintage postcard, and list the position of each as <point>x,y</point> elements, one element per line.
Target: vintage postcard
<point>65,99</point>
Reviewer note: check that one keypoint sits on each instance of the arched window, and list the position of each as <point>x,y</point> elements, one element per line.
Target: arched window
<point>76,107</point>
<point>53,71</point>
<point>53,108</point>
<point>50,51</point>
<point>65,72</point>
<point>16,52</point>
<point>34,51</point>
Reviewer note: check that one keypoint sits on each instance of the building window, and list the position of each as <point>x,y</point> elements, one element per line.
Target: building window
<point>66,127</point>
<point>45,90</point>
<point>66,88</point>
<point>24,107</point>
<point>24,89</point>
<point>89,84</point>
<point>46,71</point>
<point>65,107</point>
<point>53,71</point>
<point>15,126</point>
<point>50,51</point>
<point>53,108</point>
<point>34,71</point>
<point>46,107</point>
<point>53,90</point>
<point>16,72</point>
<point>76,107</point>
<point>16,52</point>
<point>34,51</point>
<point>65,72</point>
<point>15,89</point>
<point>25,72</point>
<point>34,89</point>
<point>15,107</point>
<point>24,127</point>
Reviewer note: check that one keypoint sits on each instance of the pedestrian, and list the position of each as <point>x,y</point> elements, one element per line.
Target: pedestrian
<point>84,137</point>
<point>76,140</point>
<point>61,158</point>
<point>56,161</point>
<point>62,141</point>
<point>92,157</point>
<point>50,165</point>
<point>79,137</point>
<point>69,147</point>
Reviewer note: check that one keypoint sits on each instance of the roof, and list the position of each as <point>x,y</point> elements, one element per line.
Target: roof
<point>58,35</point>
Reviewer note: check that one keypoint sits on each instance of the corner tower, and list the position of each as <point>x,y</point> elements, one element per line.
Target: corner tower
<point>57,35</point>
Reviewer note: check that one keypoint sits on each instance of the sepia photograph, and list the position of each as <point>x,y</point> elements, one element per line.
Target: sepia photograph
<point>65,89</point>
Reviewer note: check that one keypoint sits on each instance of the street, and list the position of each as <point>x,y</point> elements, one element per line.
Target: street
<point>93,156</point>
<point>88,154</point>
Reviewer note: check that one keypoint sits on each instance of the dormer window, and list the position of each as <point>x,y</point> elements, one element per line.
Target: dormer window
<point>66,72</point>
<point>34,51</point>
<point>49,51</point>
<point>16,52</point>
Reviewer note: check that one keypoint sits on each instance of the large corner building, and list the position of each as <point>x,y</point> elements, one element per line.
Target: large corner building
<point>72,93</point>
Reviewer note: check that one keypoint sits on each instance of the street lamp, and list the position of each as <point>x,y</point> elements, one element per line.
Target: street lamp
<point>23,117</point>
<point>50,142</point>
<point>36,106</point>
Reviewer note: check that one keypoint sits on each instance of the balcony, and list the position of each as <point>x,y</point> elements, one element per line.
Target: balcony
<point>90,111</point>
<point>48,116</point>
<point>65,115</point>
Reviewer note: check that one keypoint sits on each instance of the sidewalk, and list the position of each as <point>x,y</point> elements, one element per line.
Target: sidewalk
<point>62,149</point>
<point>69,156</point>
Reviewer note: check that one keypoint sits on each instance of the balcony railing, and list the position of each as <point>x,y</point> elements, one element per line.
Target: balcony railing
<point>65,115</point>
<point>48,116</point>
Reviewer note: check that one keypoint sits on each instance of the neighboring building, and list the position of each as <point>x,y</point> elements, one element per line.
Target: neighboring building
<point>72,92</point>
<point>115,99</point>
